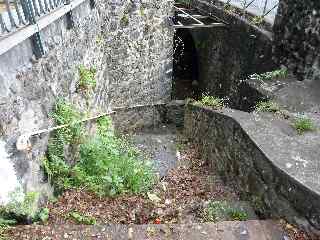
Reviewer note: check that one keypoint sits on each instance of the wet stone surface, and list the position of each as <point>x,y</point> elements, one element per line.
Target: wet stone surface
<point>160,145</point>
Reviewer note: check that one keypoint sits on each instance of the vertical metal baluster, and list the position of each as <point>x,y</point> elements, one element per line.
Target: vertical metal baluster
<point>9,11</point>
<point>35,8</point>
<point>51,4</point>
<point>38,48</point>
<point>54,3</point>
<point>3,25</point>
<point>46,6</point>
<point>18,10</point>
<point>24,6</point>
<point>41,7</point>
<point>265,7</point>
<point>268,11</point>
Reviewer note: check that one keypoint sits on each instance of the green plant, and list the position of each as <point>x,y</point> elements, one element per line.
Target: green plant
<point>87,77</point>
<point>5,225</point>
<point>280,73</point>
<point>124,21</point>
<point>303,124</point>
<point>267,106</point>
<point>257,20</point>
<point>22,206</point>
<point>42,215</point>
<point>238,214</point>
<point>82,219</point>
<point>222,211</point>
<point>142,14</point>
<point>107,164</point>
<point>214,102</point>
<point>229,8</point>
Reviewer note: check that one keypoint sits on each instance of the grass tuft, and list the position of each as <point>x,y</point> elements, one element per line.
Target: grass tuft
<point>280,73</point>
<point>81,218</point>
<point>267,106</point>
<point>210,101</point>
<point>303,124</point>
<point>222,211</point>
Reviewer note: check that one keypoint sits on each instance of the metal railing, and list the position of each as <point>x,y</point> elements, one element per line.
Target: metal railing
<point>18,13</point>
<point>23,19</point>
<point>261,8</point>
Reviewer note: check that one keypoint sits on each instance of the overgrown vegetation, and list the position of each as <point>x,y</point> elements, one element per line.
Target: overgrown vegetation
<point>280,73</point>
<point>4,226</point>
<point>303,124</point>
<point>124,21</point>
<point>211,101</point>
<point>87,78</point>
<point>106,164</point>
<point>22,208</point>
<point>81,218</point>
<point>257,20</point>
<point>217,211</point>
<point>267,106</point>
<point>229,8</point>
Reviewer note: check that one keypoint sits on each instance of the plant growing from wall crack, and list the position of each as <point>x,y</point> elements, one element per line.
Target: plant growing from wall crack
<point>87,78</point>
<point>280,73</point>
<point>211,101</point>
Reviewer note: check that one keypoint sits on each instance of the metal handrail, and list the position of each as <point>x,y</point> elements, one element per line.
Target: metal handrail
<point>19,13</point>
<point>262,8</point>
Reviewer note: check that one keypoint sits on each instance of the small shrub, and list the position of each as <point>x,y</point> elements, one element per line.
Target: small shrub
<point>210,101</point>
<point>42,215</point>
<point>303,124</point>
<point>22,206</point>
<point>238,215</point>
<point>267,106</point>
<point>87,78</point>
<point>124,21</point>
<point>229,8</point>
<point>222,211</point>
<point>107,165</point>
<point>257,20</point>
<point>82,219</point>
<point>280,73</point>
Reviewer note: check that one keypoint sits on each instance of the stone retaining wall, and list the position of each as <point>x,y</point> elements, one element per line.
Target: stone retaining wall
<point>238,145</point>
<point>231,53</point>
<point>297,37</point>
<point>129,43</point>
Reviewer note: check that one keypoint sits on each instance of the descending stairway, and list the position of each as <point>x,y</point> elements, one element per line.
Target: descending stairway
<point>246,230</point>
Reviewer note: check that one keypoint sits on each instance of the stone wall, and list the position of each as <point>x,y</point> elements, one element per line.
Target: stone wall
<point>297,37</point>
<point>129,43</point>
<point>257,157</point>
<point>229,54</point>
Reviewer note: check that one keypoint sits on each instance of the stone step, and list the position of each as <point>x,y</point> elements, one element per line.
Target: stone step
<point>228,230</point>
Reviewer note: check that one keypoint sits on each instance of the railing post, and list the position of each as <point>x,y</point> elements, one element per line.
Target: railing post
<point>37,43</point>
<point>69,15</point>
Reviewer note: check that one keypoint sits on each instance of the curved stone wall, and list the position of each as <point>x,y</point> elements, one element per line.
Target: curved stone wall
<point>258,157</point>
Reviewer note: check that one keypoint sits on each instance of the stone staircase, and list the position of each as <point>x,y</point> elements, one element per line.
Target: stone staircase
<point>235,230</point>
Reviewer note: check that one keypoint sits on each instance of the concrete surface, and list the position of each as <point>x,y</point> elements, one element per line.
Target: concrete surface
<point>247,230</point>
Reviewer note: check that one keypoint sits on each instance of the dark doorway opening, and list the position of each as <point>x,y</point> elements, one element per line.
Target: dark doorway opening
<point>185,66</point>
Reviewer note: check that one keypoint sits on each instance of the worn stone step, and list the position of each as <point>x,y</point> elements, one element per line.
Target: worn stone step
<point>228,230</point>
